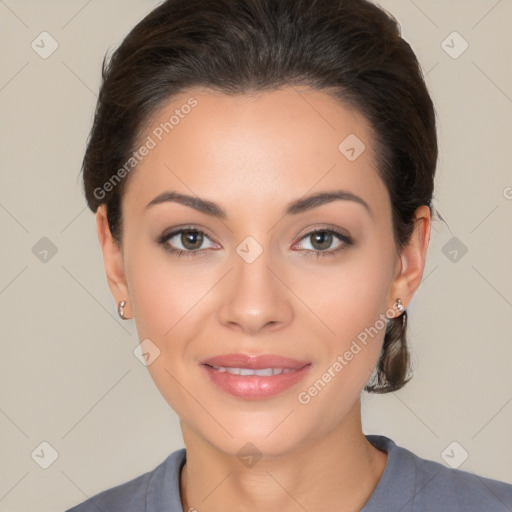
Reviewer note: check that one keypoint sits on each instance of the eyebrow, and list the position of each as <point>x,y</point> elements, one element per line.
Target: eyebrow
<point>293,208</point>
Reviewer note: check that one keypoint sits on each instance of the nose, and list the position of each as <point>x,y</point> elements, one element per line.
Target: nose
<point>255,296</point>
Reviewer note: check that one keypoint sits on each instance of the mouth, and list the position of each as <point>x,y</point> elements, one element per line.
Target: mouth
<point>263,372</point>
<point>254,377</point>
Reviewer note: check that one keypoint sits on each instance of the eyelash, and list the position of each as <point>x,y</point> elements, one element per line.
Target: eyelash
<point>347,241</point>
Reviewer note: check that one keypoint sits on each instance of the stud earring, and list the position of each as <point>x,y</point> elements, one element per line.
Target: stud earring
<point>120,309</point>
<point>399,305</point>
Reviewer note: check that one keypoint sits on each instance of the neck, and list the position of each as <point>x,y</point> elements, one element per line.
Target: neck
<point>339,468</point>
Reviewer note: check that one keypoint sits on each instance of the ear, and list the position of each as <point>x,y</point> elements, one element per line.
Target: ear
<point>112,260</point>
<point>412,258</point>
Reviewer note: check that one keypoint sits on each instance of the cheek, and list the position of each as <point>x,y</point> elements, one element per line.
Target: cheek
<point>354,295</point>
<point>163,299</point>
<point>353,303</point>
<point>154,309</point>
<point>162,294</point>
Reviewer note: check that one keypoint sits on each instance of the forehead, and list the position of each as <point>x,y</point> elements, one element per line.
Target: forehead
<point>270,146</point>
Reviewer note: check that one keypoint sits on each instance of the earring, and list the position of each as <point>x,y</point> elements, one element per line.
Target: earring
<point>399,305</point>
<point>120,309</point>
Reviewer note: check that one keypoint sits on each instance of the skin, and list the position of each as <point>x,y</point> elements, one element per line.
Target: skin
<point>252,155</point>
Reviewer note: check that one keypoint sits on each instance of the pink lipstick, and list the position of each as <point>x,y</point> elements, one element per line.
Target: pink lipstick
<point>254,377</point>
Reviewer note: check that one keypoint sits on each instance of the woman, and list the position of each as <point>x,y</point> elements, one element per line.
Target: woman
<point>262,175</point>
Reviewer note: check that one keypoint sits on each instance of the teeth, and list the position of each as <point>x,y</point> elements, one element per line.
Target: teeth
<point>264,372</point>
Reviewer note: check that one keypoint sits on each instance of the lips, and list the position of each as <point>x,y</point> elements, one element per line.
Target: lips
<point>254,377</point>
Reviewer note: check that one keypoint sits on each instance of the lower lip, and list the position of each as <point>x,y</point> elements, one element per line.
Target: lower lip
<point>254,387</point>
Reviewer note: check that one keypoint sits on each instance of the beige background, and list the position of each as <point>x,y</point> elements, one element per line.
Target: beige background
<point>68,374</point>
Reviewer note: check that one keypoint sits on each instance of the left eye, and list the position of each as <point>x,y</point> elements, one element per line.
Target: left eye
<point>321,240</point>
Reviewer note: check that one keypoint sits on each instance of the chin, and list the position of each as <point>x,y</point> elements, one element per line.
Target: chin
<point>265,434</point>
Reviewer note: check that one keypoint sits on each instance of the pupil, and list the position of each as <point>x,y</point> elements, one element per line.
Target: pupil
<point>322,236</point>
<point>188,238</point>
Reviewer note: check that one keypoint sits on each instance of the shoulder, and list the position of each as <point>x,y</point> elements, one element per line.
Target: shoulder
<point>454,489</point>
<point>157,488</point>
<point>428,486</point>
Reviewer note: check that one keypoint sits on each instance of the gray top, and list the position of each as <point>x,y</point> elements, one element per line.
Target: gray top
<point>408,484</point>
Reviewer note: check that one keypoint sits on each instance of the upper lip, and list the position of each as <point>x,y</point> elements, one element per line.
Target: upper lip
<point>254,362</point>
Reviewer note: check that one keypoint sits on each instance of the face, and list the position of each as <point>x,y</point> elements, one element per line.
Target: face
<point>259,270</point>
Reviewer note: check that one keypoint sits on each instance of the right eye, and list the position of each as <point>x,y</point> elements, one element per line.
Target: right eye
<point>188,241</point>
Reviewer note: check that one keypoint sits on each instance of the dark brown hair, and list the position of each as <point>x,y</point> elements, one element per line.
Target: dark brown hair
<point>352,49</point>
